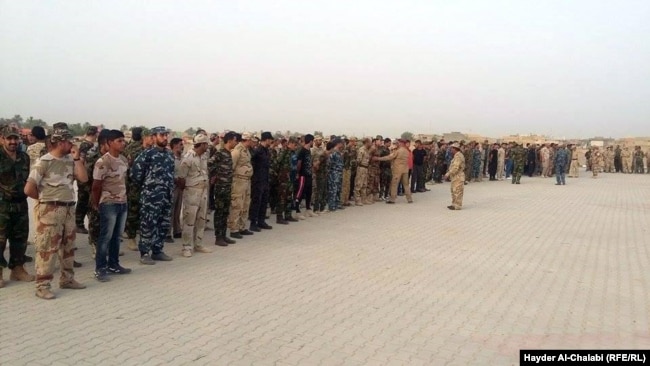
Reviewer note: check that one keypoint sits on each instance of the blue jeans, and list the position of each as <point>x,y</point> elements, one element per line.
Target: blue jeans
<point>112,217</point>
<point>509,167</point>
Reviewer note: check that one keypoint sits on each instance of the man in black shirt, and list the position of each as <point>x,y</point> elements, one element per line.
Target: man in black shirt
<point>261,161</point>
<point>418,178</point>
<point>304,177</point>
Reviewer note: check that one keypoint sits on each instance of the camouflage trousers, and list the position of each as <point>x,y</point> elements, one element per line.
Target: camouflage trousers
<point>14,227</point>
<point>93,227</point>
<point>194,215</point>
<point>320,192</point>
<point>55,236</point>
<point>517,172</point>
<point>155,221</point>
<point>457,190</point>
<point>133,213</point>
<point>384,182</point>
<point>83,203</point>
<point>240,201</point>
<point>221,208</point>
<point>373,181</point>
<point>345,186</point>
<point>284,199</point>
<point>361,185</point>
<point>334,180</point>
<point>573,170</point>
<point>595,169</point>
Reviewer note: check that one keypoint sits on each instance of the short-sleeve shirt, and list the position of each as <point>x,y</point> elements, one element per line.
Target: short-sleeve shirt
<point>54,178</point>
<point>111,171</point>
<point>304,156</point>
<point>194,169</point>
<point>34,151</point>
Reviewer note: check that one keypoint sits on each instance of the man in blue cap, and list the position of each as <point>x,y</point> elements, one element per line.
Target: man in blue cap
<point>153,171</point>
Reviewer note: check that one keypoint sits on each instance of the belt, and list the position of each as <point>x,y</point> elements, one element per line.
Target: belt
<point>59,203</point>
<point>241,176</point>
<point>363,166</point>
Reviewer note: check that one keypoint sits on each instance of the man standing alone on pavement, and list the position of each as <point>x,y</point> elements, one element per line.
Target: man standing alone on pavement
<point>456,172</point>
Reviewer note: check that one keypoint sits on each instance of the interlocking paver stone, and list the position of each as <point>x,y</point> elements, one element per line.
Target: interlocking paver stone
<point>525,266</point>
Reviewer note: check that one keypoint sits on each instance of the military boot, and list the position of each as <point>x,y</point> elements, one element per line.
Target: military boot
<point>2,281</point>
<point>132,245</point>
<point>280,220</point>
<point>19,274</point>
<point>254,227</point>
<point>289,218</point>
<point>218,240</point>
<point>45,293</point>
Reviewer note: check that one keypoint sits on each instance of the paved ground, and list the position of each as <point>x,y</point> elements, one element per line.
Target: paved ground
<point>528,266</point>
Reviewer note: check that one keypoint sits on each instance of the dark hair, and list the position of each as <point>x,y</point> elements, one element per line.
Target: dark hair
<point>418,141</point>
<point>103,137</point>
<point>136,133</point>
<point>330,145</point>
<point>38,132</point>
<point>113,135</point>
<point>175,141</point>
<point>308,138</point>
<point>229,136</point>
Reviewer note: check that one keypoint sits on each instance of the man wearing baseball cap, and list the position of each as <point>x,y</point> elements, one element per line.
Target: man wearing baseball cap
<point>14,215</point>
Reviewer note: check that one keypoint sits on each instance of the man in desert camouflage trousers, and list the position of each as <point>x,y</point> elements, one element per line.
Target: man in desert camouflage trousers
<point>241,188</point>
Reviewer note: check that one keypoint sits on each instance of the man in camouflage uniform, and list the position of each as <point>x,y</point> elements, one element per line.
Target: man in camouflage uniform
<point>374,172</point>
<point>626,157</point>
<point>141,140</point>
<point>361,179</point>
<point>335,174</point>
<point>38,148</point>
<point>519,156</point>
<point>347,173</point>
<point>93,215</point>
<point>573,169</point>
<point>440,168</point>
<point>83,189</point>
<point>221,172</point>
<point>153,171</point>
<point>561,160</point>
<point>352,149</point>
<point>608,160</point>
<point>384,170</point>
<point>319,168</point>
<point>457,174</point>
<point>240,195</point>
<point>193,181</point>
<point>14,216</point>
<point>51,182</point>
<point>638,160</point>
<point>596,161</point>
<point>281,178</point>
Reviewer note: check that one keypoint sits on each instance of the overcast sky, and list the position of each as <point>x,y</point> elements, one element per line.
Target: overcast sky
<point>560,67</point>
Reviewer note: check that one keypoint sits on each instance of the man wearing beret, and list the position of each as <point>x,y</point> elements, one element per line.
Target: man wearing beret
<point>153,171</point>
<point>14,216</point>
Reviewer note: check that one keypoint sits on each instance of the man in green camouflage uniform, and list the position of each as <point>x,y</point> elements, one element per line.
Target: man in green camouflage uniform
<point>141,139</point>
<point>518,154</point>
<point>83,189</point>
<point>220,172</point>
<point>319,168</point>
<point>14,216</point>
<point>280,176</point>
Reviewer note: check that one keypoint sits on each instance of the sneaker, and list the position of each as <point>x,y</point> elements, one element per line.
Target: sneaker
<point>187,253</point>
<point>161,257</point>
<point>73,285</point>
<point>146,259</point>
<point>118,270</point>
<point>101,276</point>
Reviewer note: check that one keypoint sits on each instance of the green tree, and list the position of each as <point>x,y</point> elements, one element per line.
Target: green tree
<point>124,128</point>
<point>31,122</point>
<point>407,135</point>
<point>190,131</point>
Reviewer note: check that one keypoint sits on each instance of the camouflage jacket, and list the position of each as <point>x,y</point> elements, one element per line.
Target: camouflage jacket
<point>457,166</point>
<point>84,147</point>
<point>352,156</point>
<point>13,175</point>
<point>336,162</point>
<point>220,166</point>
<point>281,166</point>
<point>132,150</point>
<point>383,151</point>
<point>153,171</point>
<point>561,157</point>
<point>91,158</point>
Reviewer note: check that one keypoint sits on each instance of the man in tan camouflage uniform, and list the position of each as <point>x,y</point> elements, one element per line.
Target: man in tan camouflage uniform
<point>596,161</point>
<point>241,188</point>
<point>51,182</point>
<point>193,180</point>
<point>361,179</point>
<point>456,172</point>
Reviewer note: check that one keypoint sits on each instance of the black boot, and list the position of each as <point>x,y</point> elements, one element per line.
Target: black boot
<point>254,228</point>
<point>289,218</point>
<point>264,225</point>
<point>280,220</point>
